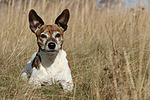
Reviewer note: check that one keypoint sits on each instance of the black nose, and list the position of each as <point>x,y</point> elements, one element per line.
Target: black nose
<point>51,45</point>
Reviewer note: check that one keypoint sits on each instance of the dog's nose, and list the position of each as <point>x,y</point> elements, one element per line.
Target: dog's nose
<point>51,45</point>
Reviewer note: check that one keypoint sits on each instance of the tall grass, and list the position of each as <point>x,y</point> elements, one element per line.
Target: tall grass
<point>108,50</point>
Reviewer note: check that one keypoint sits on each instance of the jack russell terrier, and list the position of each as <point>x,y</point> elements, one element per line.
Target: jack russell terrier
<point>49,65</point>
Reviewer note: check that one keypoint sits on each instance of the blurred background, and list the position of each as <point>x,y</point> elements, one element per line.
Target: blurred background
<point>100,3</point>
<point>107,44</point>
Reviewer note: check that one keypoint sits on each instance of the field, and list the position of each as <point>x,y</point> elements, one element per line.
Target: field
<point>108,50</point>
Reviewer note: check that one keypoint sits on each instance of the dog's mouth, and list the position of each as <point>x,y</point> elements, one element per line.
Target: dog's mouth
<point>50,51</point>
<point>50,47</point>
<point>44,50</point>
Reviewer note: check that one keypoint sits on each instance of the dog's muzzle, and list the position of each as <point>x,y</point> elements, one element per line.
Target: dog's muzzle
<point>51,45</point>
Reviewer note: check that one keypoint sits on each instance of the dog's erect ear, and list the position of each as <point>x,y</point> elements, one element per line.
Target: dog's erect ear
<point>62,19</point>
<point>35,21</point>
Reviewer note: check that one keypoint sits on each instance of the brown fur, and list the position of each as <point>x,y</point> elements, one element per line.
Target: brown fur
<point>36,62</point>
<point>49,29</point>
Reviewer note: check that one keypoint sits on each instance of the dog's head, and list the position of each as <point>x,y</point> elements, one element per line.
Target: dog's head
<point>49,37</point>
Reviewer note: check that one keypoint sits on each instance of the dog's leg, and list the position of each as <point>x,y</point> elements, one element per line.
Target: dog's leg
<point>66,81</point>
<point>67,86</point>
<point>36,67</point>
<point>28,69</point>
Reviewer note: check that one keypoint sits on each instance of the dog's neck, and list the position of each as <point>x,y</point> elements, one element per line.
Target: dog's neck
<point>48,58</point>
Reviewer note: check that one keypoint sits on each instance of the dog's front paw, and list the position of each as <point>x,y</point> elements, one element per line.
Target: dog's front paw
<point>24,76</point>
<point>67,87</point>
<point>35,83</point>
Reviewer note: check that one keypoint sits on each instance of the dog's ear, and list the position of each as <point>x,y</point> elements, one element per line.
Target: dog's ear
<point>62,19</point>
<point>35,21</point>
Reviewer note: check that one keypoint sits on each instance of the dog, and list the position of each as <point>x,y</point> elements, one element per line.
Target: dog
<point>49,65</point>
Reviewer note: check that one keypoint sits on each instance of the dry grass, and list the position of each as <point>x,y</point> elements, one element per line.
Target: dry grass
<point>108,51</point>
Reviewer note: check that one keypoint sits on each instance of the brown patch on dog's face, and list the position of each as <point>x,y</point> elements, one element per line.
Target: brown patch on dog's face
<point>49,29</point>
<point>50,38</point>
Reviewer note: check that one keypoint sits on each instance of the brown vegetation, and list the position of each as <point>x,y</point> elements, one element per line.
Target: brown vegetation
<point>108,50</point>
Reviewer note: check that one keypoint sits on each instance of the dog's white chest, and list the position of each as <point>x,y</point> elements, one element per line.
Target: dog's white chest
<point>58,72</point>
<point>52,74</point>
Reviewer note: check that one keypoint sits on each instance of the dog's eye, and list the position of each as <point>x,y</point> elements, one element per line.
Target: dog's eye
<point>43,36</point>
<point>57,35</point>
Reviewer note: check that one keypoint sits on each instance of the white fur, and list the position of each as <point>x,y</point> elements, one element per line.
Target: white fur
<point>58,73</point>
